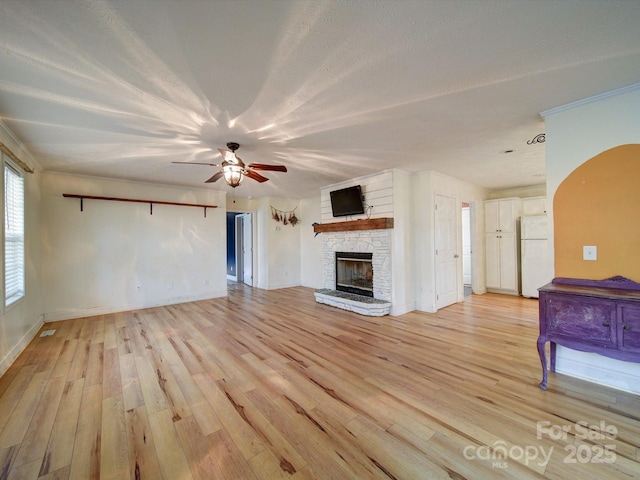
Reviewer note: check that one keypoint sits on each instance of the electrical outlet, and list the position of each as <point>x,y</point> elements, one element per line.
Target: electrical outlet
<point>590,252</point>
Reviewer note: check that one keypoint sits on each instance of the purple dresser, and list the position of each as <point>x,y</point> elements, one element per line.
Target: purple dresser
<point>601,316</point>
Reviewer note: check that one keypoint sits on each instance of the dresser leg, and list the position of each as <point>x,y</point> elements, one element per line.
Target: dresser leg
<point>543,361</point>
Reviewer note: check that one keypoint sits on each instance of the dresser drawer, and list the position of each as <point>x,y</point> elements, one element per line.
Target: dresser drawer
<point>581,319</point>
<point>629,328</point>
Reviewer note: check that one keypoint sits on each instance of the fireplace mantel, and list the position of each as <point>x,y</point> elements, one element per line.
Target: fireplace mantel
<point>368,224</point>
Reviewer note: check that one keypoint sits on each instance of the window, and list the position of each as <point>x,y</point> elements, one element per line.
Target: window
<point>13,235</point>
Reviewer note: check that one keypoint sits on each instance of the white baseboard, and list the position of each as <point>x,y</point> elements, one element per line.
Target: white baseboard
<point>424,307</point>
<point>598,369</point>
<point>397,310</point>
<point>90,312</point>
<point>284,285</point>
<point>19,347</point>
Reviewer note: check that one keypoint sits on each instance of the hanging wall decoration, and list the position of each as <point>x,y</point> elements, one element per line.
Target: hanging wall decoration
<point>287,218</point>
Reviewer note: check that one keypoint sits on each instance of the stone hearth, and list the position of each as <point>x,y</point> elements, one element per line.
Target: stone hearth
<point>354,303</point>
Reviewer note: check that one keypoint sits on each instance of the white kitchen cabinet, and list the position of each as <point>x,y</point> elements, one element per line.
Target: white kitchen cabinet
<point>534,206</point>
<point>502,245</point>
<point>502,215</point>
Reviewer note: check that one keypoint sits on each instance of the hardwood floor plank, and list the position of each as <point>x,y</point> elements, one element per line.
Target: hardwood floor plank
<point>86,460</point>
<point>16,385</point>
<point>265,466</point>
<point>95,364</point>
<point>26,471</point>
<point>114,452</point>
<point>230,416</point>
<point>110,335</point>
<point>61,474</point>
<point>18,423</point>
<point>111,376</point>
<point>59,450</point>
<point>154,398</point>
<point>269,384</point>
<point>171,455</point>
<point>7,460</point>
<point>78,367</point>
<point>231,461</point>
<point>394,457</point>
<point>200,450</point>
<point>288,458</point>
<point>202,411</point>
<point>143,460</point>
<point>131,391</point>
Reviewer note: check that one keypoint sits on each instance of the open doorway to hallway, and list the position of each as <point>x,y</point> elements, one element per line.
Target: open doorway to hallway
<point>466,249</point>
<point>240,247</point>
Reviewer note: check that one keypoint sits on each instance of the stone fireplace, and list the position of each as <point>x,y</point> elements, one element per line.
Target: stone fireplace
<point>368,252</point>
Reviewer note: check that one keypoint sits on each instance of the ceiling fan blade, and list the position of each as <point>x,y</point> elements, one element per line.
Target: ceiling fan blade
<point>197,163</point>
<point>264,166</point>
<point>215,178</point>
<point>256,176</point>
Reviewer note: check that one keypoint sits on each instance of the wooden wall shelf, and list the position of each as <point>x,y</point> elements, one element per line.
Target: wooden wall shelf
<point>369,224</point>
<point>136,200</point>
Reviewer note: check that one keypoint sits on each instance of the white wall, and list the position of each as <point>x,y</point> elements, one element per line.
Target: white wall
<point>116,256</point>
<point>426,185</point>
<point>402,246</point>
<point>310,244</point>
<point>279,246</point>
<point>20,322</point>
<point>378,193</point>
<point>575,133</point>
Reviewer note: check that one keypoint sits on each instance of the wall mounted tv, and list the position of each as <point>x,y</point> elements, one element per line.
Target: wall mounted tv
<point>347,201</point>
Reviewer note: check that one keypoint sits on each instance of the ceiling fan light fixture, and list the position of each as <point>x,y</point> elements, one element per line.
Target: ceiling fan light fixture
<point>232,175</point>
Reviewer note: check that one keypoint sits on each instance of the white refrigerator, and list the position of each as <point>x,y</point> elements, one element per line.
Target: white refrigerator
<point>533,252</point>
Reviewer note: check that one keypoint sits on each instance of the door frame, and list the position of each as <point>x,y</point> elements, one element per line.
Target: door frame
<point>470,207</point>
<point>239,237</point>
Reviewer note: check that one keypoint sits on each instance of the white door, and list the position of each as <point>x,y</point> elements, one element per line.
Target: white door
<point>492,245</point>
<point>247,249</point>
<point>446,251</point>
<point>509,262</point>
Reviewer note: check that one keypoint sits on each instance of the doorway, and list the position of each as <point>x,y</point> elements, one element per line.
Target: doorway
<point>466,249</point>
<point>240,247</point>
<point>244,248</point>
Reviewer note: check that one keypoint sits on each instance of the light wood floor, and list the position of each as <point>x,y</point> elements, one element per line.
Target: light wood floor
<point>271,385</point>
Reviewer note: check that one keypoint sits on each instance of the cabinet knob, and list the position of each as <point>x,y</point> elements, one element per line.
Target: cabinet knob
<point>605,324</point>
<point>627,327</point>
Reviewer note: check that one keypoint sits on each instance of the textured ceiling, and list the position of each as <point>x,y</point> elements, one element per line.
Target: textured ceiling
<point>331,89</point>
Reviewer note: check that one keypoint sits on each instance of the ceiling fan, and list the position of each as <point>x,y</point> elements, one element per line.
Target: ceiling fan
<point>233,169</point>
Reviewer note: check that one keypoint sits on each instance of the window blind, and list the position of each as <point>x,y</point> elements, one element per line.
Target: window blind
<point>13,235</point>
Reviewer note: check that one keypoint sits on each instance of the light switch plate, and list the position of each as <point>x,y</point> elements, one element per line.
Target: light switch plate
<point>589,252</point>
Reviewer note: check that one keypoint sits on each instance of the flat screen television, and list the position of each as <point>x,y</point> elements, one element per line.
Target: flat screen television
<point>347,201</point>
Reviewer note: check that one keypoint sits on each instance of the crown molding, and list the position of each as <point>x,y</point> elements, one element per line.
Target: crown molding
<point>595,98</point>
<point>31,159</point>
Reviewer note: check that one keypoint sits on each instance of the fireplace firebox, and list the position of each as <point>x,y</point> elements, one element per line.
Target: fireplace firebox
<point>354,273</point>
